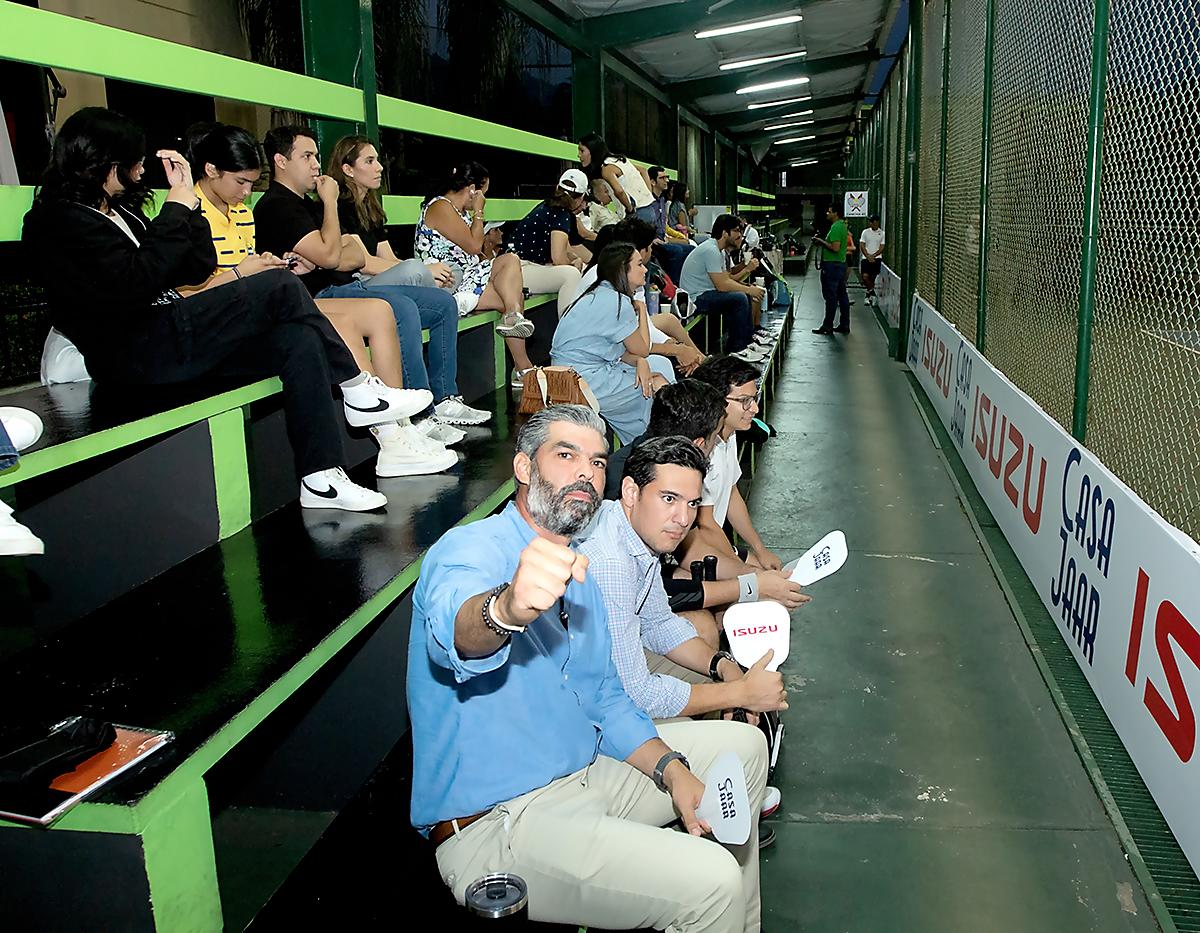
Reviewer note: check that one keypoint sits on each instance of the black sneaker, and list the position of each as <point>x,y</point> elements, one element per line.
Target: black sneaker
<point>766,836</point>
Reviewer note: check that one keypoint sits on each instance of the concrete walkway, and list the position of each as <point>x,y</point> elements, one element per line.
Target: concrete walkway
<point>928,781</point>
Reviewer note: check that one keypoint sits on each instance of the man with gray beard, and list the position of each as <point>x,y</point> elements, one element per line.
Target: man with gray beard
<point>528,755</point>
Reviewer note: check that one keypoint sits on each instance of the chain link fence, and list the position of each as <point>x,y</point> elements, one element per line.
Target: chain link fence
<point>964,160</point>
<point>1144,411</point>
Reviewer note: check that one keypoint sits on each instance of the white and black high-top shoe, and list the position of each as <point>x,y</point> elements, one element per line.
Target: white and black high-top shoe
<point>373,402</point>
<point>333,489</point>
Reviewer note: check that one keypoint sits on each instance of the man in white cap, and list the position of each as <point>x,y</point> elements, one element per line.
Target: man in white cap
<point>493,239</point>
<point>549,263</point>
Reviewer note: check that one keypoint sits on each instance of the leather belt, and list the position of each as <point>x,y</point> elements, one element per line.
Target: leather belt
<point>445,829</point>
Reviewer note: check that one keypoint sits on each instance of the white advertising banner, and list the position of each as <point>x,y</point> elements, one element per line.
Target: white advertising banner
<point>887,294</point>
<point>1122,584</point>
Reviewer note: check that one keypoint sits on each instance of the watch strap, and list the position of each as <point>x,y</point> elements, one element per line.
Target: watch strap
<point>661,767</point>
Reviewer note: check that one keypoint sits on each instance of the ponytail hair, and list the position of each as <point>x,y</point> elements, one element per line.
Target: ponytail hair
<point>226,148</point>
<point>460,176</point>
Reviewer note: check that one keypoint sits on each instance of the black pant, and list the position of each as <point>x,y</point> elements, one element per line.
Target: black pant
<point>263,325</point>
<point>833,288</point>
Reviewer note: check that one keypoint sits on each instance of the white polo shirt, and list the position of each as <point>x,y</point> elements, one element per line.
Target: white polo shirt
<point>723,473</point>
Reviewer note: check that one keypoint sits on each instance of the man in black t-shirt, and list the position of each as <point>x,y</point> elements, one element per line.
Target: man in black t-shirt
<point>291,223</point>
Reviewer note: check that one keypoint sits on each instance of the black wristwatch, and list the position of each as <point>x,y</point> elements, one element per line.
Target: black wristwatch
<point>662,766</point>
<point>716,659</point>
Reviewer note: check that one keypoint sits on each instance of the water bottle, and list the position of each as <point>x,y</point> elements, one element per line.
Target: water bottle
<point>652,296</point>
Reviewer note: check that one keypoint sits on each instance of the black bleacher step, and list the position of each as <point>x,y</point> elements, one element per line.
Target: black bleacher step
<point>191,648</point>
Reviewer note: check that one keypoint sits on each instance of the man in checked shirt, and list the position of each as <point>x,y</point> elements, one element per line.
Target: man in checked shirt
<point>660,494</point>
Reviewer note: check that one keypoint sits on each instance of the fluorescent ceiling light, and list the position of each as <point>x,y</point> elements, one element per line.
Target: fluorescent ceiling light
<point>792,139</point>
<point>772,85</point>
<point>778,103</point>
<point>765,60</point>
<point>788,126</point>
<point>747,27</point>
<point>788,116</point>
<point>804,162</point>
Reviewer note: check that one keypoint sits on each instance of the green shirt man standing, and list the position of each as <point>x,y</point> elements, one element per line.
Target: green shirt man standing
<point>833,273</point>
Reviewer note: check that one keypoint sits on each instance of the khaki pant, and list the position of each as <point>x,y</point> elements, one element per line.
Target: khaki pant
<point>546,280</point>
<point>591,849</point>
<point>658,664</point>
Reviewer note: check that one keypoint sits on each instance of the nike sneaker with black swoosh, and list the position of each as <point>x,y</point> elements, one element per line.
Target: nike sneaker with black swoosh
<point>333,489</point>
<point>373,402</point>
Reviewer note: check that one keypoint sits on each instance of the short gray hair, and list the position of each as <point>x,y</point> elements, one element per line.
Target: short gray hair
<point>536,430</point>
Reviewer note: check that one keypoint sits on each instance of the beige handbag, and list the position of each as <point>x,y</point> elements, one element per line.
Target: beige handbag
<point>555,385</point>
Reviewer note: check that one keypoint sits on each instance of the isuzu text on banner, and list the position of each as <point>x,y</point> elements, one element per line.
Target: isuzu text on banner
<point>1122,584</point>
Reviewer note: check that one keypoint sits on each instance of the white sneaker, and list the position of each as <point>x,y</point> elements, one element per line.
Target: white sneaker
<point>466,302</point>
<point>518,378</point>
<point>752,354</point>
<point>771,801</point>
<point>408,452</point>
<point>453,410</point>
<point>15,539</point>
<point>514,324</point>
<point>374,403</point>
<point>333,489</point>
<point>440,432</point>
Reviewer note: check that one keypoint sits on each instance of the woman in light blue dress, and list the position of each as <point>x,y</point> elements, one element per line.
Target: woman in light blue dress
<point>604,339</point>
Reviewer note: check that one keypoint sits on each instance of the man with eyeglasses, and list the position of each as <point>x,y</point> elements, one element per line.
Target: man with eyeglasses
<point>714,290</point>
<point>737,380</point>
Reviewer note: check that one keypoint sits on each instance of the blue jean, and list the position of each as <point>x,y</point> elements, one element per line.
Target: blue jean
<point>833,288</point>
<point>734,308</point>
<point>8,450</point>
<point>415,307</point>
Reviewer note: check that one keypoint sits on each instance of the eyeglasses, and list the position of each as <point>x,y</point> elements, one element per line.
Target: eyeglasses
<point>746,401</point>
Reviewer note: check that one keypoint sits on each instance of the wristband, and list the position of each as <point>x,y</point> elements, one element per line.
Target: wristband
<point>499,628</point>
<point>748,588</point>
<point>717,659</point>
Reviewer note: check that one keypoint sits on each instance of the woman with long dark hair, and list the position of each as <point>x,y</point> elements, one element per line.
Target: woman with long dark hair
<point>605,339</point>
<point>111,277</point>
<point>629,184</point>
<point>451,230</point>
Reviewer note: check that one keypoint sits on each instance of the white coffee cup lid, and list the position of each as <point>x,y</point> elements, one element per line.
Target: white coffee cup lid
<point>725,805</point>
<point>824,558</point>
<point>755,628</point>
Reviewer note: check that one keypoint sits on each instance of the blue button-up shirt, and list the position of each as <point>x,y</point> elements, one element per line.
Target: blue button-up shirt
<point>639,614</point>
<point>486,730</point>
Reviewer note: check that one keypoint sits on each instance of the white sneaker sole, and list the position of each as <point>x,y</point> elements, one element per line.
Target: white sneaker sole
<point>370,503</point>
<point>435,464</point>
<point>521,329</point>
<point>482,418</point>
